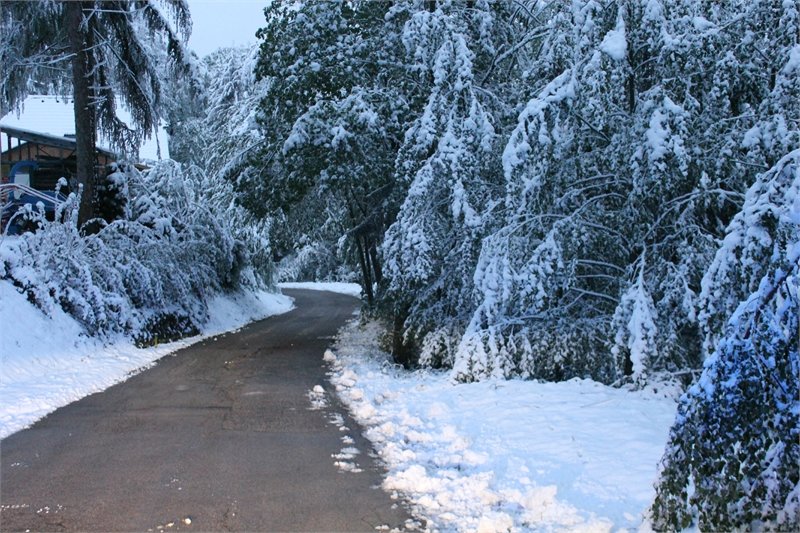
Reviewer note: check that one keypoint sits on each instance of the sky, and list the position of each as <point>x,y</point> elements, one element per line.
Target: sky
<point>220,23</point>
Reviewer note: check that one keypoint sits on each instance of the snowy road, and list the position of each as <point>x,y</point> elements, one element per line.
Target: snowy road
<point>218,437</point>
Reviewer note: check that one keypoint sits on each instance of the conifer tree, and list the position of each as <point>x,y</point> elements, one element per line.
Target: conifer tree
<point>332,119</point>
<point>449,159</point>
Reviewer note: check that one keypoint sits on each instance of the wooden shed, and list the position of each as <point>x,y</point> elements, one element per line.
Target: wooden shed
<point>25,145</point>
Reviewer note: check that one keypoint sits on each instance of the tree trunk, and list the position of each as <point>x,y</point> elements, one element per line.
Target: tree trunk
<point>403,353</point>
<point>365,271</point>
<point>630,90</point>
<point>376,263</point>
<point>84,112</point>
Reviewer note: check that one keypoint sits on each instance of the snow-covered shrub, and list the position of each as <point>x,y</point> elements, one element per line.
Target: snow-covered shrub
<point>634,346</point>
<point>733,458</point>
<point>149,274</point>
<point>111,194</point>
<point>313,260</point>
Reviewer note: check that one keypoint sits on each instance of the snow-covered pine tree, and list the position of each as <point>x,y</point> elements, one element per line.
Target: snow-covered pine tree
<point>31,65</point>
<point>733,458</point>
<point>185,109</point>
<point>748,246</point>
<point>691,171</point>
<point>232,95</point>
<point>213,128</point>
<point>548,277</point>
<point>635,341</point>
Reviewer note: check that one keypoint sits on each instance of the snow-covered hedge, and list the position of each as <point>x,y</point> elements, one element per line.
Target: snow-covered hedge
<point>733,459</point>
<point>150,273</point>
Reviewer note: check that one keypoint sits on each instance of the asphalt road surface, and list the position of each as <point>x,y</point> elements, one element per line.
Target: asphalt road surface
<point>219,433</point>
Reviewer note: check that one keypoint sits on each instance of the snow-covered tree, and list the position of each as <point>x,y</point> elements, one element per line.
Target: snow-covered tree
<point>332,121</point>
<point>749,245</point>
<point>450,162</point>
<point>150,273</point>
<point>550,273</point>
<point>635,340</point>
<point>30,64</point>
<point>101,46</point>
<point>733,458</point>
<point>626,165</point>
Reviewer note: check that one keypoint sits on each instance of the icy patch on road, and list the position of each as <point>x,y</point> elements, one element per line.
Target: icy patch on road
<point>505,455</point>
<point>345,459</point>
<point>348,466</point>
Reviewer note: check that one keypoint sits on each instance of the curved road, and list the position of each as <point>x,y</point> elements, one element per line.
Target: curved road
<point>219,433</point>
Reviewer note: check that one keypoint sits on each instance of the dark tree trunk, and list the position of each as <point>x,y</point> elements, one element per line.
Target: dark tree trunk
<point>630,90</point>
<point>365,271</point>
<point>84,112</point>
<point>376,264</point>
<point>367,259</point>
<point>403,353</point>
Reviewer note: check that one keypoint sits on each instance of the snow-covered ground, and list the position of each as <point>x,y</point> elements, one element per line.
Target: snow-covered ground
<point>47,362</point>
<point>353,289</point>
<point>505,455</point>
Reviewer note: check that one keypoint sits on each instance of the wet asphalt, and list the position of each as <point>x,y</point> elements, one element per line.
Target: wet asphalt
<point>216,437</point>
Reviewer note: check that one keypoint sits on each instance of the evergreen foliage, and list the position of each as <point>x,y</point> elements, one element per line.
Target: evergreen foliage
<point>118,35</point>
<point>533,189</point>
<point>30,63</point>
<point>212,126</point>
<point>733,458</point>
<point>622,173</point>
<point>576,189</point>
<point>449,159</point>
<point>333,115</point>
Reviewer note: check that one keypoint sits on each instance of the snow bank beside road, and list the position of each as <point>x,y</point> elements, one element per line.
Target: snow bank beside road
<point>494,456</point>
<point>47,362</point>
